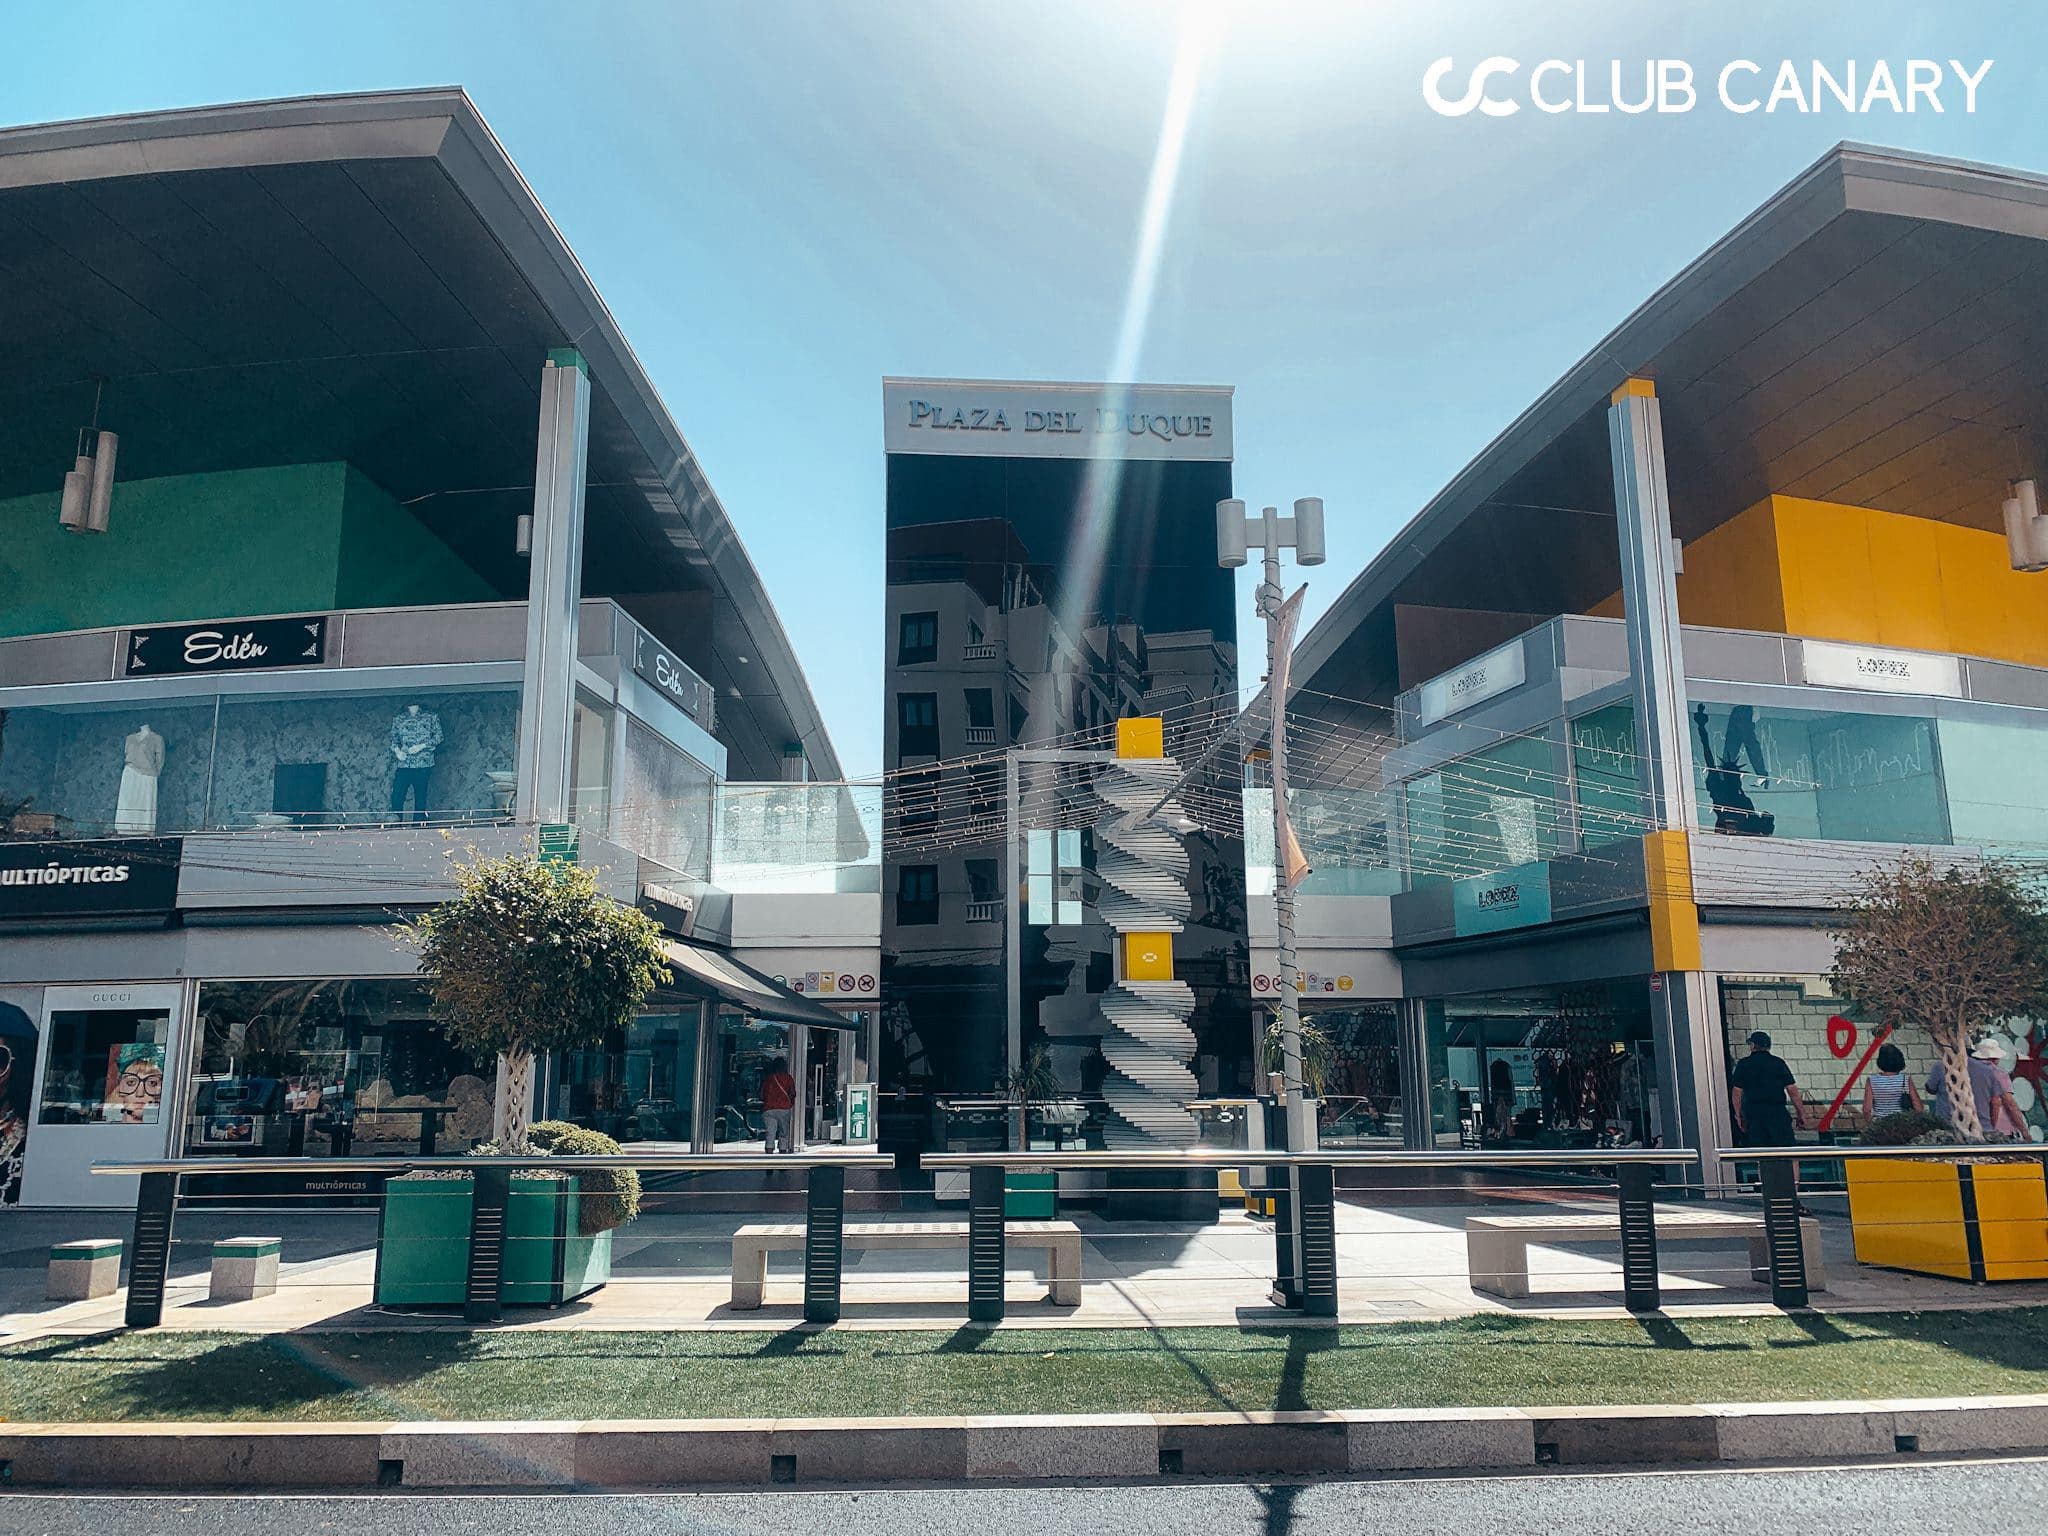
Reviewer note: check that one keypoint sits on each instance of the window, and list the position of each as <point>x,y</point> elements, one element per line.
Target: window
<point>981,709</point>
<point>917,725</point>
<point>1604,776</point>
<point>981,880</point>
<point>333,1067</point>
<point>1818,774</point>
<point>917,638</point>
<point>917,894</point>
<point>1492,810</point>
<point>106,1066</point>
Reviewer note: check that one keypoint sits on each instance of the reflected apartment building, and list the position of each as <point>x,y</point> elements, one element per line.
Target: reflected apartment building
<point>1051,570</point>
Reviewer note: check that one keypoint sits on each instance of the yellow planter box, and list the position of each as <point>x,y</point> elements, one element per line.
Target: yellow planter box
<point>1969,1221</point>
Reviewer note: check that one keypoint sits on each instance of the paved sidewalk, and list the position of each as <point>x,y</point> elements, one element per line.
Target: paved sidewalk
<point>671,1271</point>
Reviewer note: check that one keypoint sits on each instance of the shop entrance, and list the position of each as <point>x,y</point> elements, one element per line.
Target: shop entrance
<point>107,1053</point>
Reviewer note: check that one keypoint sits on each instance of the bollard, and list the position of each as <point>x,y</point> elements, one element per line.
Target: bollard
<point>1640,1286</point>
<point>1318,1186</point>
<point>1782,1237</point>
<point>483,1288</point>
<point>824,1243</point>
<point>156,1209</point>
<point>985,1245</point>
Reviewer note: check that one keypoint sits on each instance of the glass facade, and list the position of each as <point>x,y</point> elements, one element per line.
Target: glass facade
<point>1492,810</point>
<point>642,1084</point>
<point>236,761</point>
<point>1033,603</point>
<point>1361,1098</point>
<point>1836,775</point>
<point>333,1067</point>
<point>798,838</point>
<point>1343,835</point>
<point>664,803</point>
<point>744,1050</point>
<point>1610,802</point>
<point>1552,1067</point>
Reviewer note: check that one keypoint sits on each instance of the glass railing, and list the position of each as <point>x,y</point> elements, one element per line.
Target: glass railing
<point>797,838</point>
<point>1343,835</point>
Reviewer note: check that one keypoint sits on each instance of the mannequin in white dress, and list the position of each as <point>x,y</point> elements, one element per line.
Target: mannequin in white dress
<point>142,761</point>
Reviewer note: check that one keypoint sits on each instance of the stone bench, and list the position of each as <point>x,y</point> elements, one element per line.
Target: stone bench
<point>85,1270</point>
<point>751,1246</point>
<point>1497,1247</point>
<point>244,1268</point>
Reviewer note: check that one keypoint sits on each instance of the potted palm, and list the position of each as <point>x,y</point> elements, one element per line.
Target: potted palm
<point>529,957</point>
<point>1950,952</point>
<point>1030,1196</point>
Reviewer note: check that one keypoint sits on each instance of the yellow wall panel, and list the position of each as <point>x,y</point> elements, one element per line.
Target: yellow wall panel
<point>1905,582</point>
<point>1977,599</point>
<point>1731,578</point>
<point>1148,957</point>
<point>1824,554</point>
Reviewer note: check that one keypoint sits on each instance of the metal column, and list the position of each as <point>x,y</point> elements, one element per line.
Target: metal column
<point>985,1245</point>
<point>547,693</point>
<point>824,1251</point>
<point>1640,1285</point>
<point>149,1260</point>
<point>1783,1241</point>
<point>1418,1126</point>
<point>483,1286</point>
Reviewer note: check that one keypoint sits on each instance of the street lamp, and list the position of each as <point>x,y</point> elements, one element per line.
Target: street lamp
<point>1303,532</point>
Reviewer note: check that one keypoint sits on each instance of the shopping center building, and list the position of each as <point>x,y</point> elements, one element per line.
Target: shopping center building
<point>1735,611</point>
<point>345,538</point>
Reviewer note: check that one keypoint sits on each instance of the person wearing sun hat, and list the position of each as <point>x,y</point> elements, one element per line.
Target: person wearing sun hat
<point>1998,1112</point>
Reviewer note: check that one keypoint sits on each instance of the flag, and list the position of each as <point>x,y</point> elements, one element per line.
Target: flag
<point>1290,619</point>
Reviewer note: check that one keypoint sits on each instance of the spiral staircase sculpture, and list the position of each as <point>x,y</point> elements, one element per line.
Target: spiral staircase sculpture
<point>1144,874</point>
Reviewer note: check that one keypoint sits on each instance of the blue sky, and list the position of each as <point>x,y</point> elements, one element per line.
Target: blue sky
<point>783,203</point>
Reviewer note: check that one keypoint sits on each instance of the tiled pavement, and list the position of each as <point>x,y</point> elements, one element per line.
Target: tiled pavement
<point>671,1271</point>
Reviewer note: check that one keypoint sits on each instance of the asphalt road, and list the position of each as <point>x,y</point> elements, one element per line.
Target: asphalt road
<point>1925,1498</point>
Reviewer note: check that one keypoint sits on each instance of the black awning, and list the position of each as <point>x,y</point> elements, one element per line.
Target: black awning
<point>741,985</point>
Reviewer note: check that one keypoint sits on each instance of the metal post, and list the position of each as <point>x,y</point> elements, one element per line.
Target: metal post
<point>554,587</point>
<point>1318,1229</point>
<point>985,1244</point>
<point>156,1209</point>
<point>1782,1237</point>
<point>1296,1094</point>
<point>430,1123</point>
<point>824,1238</point>
<point>483,1289</point>
<point>1639,1281</point>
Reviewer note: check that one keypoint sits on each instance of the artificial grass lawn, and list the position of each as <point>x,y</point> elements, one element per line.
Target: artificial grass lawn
<point>1475,1361</point>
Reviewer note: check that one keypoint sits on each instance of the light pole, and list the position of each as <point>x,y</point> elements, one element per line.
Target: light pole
<point>1303,532</point>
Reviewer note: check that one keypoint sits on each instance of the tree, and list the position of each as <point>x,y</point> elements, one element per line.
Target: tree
<point>1032,1081</point>
<point>1318,1055</point>
<point>532,957</point>
<point>1947,951</point>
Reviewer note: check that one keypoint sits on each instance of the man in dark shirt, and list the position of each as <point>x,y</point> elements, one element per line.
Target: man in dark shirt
<point>1765,1098</point>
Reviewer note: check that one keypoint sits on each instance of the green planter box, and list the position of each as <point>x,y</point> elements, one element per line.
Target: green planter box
<point>1031,1196</point>
<point>423,1243</point>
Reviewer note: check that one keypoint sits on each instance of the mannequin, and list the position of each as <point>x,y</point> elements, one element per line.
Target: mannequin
<point>415,733</point>
<point>142,761</point>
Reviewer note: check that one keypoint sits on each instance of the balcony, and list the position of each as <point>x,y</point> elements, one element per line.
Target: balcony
<point>984,650</point>
<point>984,911</point>
<point>979,735</point>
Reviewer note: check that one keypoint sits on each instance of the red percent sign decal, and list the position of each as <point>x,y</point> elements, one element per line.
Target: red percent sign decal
<point>1841,1041</point>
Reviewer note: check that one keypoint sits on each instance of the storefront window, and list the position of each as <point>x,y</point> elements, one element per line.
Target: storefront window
<point>106,1066</point>
<point>98,770</point>
<point>744,1050</point>
<point>1493,810</point>
<point>1361,1103</point>
<point>665,803</point>
<point>331,1067</point>
<point>1610,801</point>
<point>355,759</point>
<point>642,1086</point>
<point>1813,774</point>
<point>1555,1067</point>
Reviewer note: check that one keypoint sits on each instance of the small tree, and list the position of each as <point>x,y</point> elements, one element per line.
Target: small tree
<point>532,957</point>
<point>1947,951</point>
<point>1032,1081</point>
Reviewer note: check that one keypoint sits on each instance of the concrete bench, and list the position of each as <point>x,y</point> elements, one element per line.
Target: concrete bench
<point>751,1246</point>
<point>85,1270</point>
<point>243,1268</point>
<point>1497,1247</point>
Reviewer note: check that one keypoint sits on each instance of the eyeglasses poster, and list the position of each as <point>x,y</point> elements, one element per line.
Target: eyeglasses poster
<point>135,1084</point>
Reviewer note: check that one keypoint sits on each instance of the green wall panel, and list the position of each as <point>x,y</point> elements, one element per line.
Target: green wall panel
<point>292,538</point>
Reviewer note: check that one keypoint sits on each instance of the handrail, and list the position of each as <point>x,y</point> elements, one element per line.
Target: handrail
<point>654,1161</point>
<point>1238,1157</point>
<point>1930,1154</point>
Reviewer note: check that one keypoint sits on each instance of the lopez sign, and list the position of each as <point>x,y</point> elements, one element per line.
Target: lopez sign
<point>1055,421</point>
<point>114,878</point>
<point>1830,665</point>
<point>1491,675</point>
<point>235,646</point>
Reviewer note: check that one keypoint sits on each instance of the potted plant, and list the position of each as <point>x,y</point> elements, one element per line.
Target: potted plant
<point>1030,1196</point>
<point>1949,952</point>
<point>528,957</point>
<point>558,1225</point>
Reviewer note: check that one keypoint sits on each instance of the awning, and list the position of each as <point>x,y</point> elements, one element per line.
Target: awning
<point>741,985</point>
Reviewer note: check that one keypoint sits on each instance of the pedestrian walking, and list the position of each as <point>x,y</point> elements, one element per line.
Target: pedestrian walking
<point>1889,1089</point>
<point>1998,1112</point>
<point>1764,1096</point>
<point>778,1106</point>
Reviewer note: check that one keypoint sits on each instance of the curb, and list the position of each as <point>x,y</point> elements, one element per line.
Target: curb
<point>630,1453</point>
